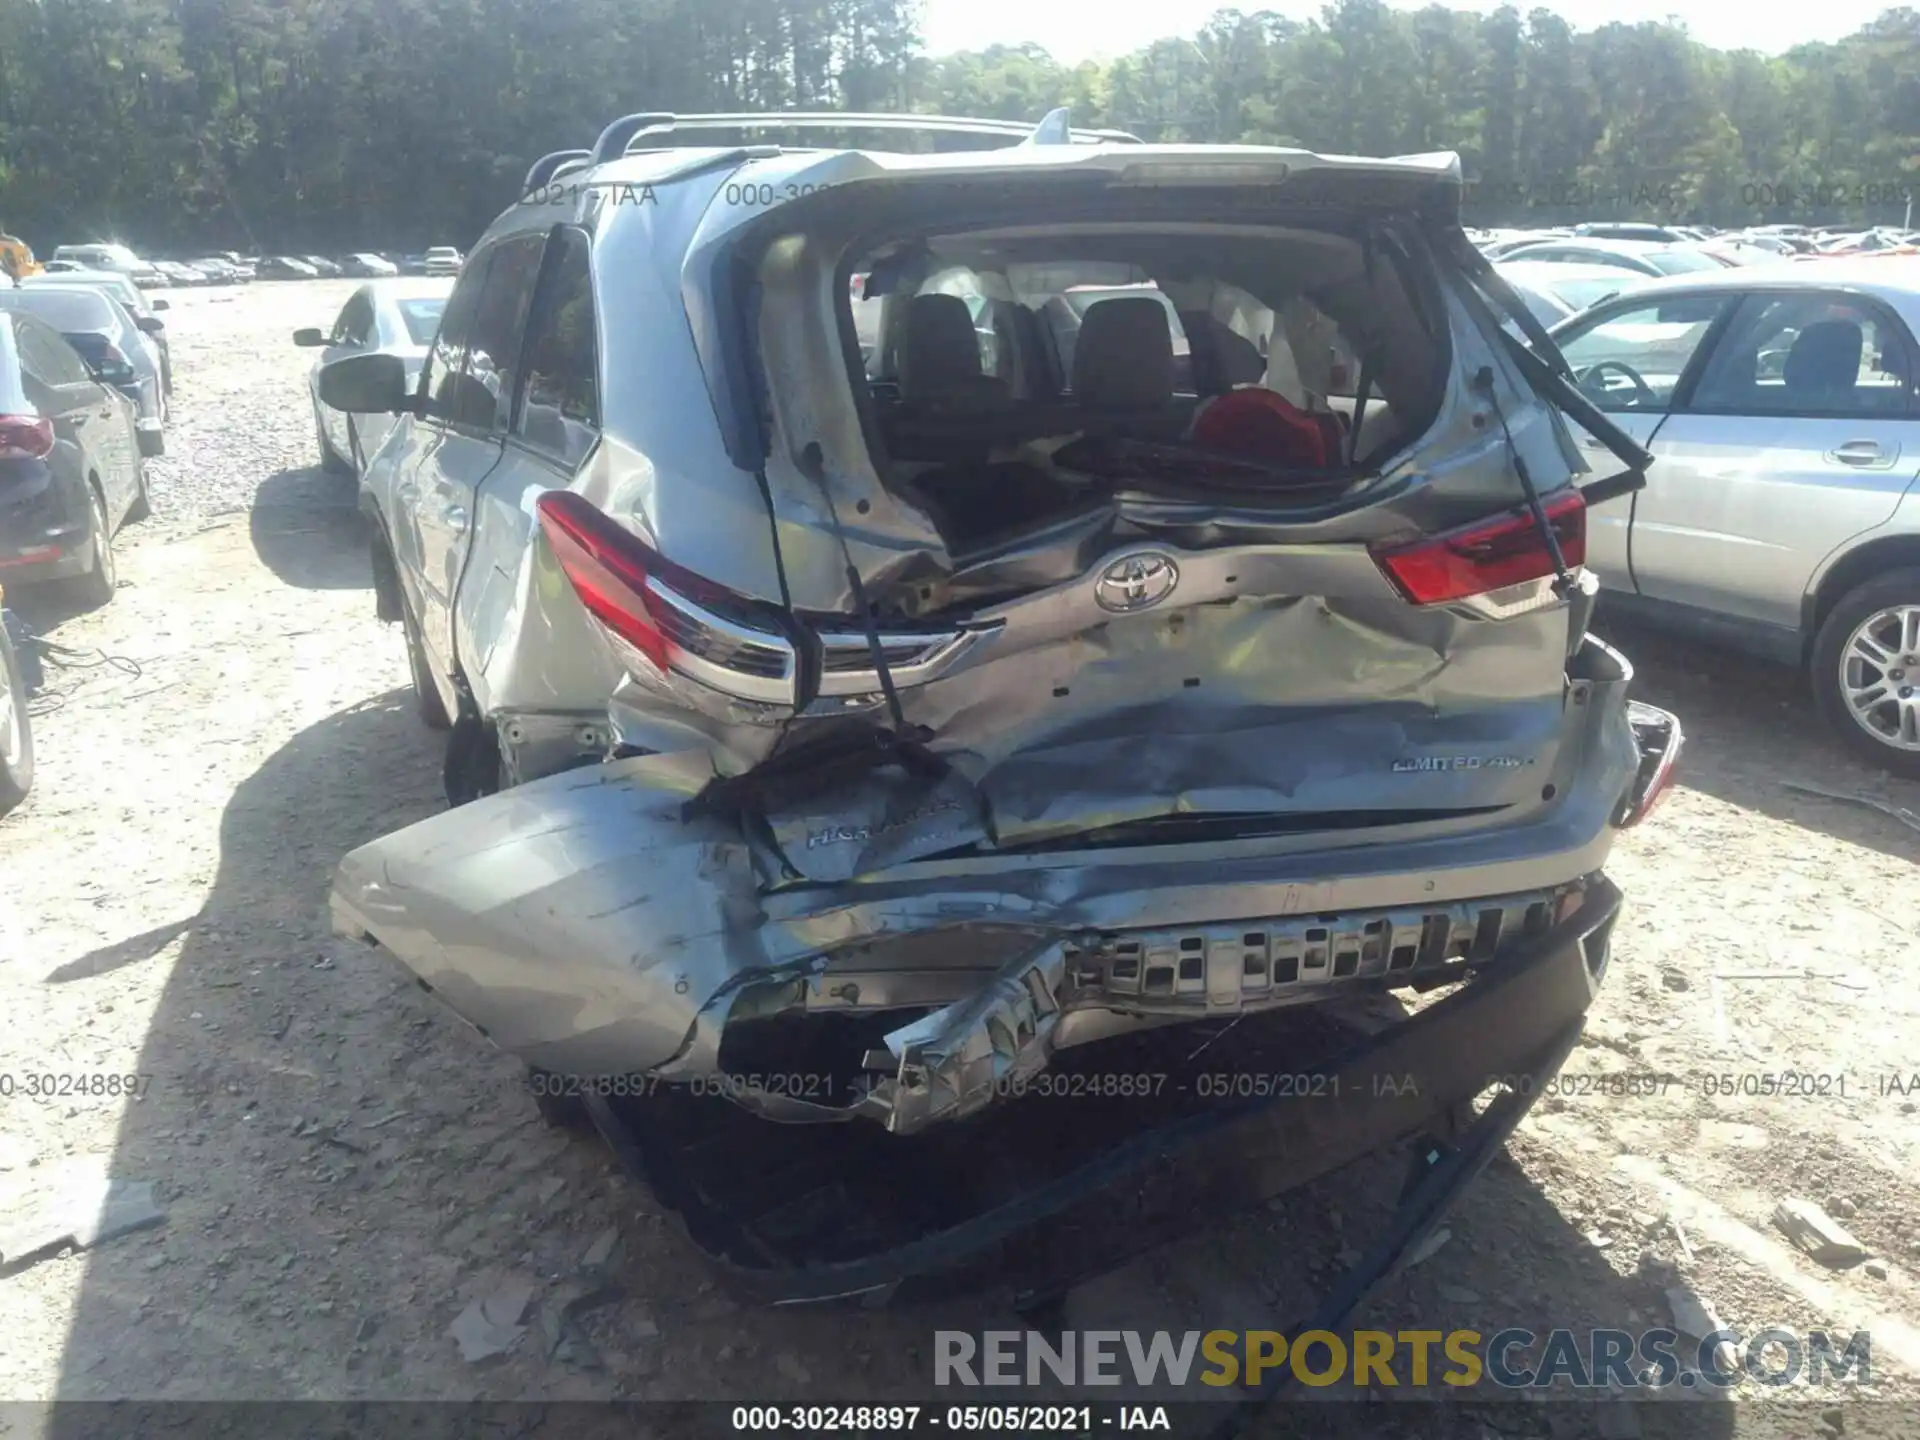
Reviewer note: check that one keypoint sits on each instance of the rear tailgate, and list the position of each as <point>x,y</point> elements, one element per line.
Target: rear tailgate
<point>1165,668</point>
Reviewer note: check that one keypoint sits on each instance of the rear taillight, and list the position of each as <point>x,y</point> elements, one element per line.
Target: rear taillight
<point>674,621</point>
<point>25,437</point>
<point>1659,739</point>
<point>1487,555</point>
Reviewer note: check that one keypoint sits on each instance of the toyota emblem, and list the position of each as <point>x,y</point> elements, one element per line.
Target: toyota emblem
<point>1136,582</point>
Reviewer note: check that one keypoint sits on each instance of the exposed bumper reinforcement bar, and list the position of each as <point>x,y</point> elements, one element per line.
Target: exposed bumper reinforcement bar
<point>866,1215</point>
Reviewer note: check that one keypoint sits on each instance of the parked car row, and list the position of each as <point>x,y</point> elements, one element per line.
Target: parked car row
<point>80,412</point>
<point>229,267</point>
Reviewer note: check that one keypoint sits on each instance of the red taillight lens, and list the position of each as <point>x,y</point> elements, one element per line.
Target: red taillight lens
<point>25,437</point>
<point>606,567</point>
<point>676,621</point>
<point>1487,555</point>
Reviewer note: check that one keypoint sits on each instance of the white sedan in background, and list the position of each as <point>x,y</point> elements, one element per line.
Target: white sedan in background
<point>394,317</point>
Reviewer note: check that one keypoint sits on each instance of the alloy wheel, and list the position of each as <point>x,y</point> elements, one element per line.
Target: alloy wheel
<point>1880,676</point>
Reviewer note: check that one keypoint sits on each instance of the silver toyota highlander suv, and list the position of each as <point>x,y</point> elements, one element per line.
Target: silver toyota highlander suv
<point>942,702</point>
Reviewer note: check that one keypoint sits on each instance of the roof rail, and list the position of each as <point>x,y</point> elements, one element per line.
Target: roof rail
<point>547,166</point>
<point>1053,130</point>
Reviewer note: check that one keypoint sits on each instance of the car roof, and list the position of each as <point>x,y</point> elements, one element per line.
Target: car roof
<point>410,287</point>
<point>1896,277</point>
<point>115,278</point>
<point>1546,272</point>
<point>82,305</point>
<point>1623,247</point>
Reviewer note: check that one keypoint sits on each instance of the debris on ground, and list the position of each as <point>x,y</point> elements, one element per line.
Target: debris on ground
<point>568,1301</point>
<point>1818,1233</point>
<point>1429,1247</point>
<point>790,1366</point>
<point>601,1251</point>
<point>1695,1317</point>
<point>491,1324</point>
<point>89,1208</point>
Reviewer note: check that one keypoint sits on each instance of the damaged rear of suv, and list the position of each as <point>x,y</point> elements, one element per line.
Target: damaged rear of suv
<point>907,616</point>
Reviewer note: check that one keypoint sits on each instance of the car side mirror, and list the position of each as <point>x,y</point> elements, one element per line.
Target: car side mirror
<point>113,374</point>
<point>310,338</point>
<point>151,324</point>
<point>366,385</point>
<point>161,305</point>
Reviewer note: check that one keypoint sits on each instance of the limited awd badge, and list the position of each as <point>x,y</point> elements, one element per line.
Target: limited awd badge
<point>1136,582</point>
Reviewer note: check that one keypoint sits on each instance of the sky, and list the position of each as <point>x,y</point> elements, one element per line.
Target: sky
<point>1076,30</point>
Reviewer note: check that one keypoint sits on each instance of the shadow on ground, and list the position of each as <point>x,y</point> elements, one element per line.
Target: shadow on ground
<point>307,529</point>
<point>1751,726</point>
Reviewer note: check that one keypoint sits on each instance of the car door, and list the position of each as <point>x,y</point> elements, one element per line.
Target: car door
<point>1629,358</point>
<point>1799,432</point>
<point>467,411</point>
<point>351,334</point>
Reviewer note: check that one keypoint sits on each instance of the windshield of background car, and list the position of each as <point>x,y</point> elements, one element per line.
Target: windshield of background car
<point>422,318</point>
<point>65,310</point>
<point>1633,359</point>
<point>1579,294</point>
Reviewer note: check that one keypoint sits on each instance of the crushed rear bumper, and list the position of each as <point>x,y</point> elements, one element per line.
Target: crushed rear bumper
<point>839,1233</point>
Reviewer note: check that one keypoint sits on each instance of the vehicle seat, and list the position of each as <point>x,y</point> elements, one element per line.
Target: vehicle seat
<point>940,360</point>
<point>1123,369</point>
<point>1823,367</point>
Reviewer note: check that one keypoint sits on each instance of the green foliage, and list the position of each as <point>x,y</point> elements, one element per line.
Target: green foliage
<point>347,124</point>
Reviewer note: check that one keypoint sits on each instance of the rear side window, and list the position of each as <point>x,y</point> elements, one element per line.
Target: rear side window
<point>493,346</point>
<point>450,345</point>
<point>13,361</point>
<point>47,355</point>
<point>1808,355</point>
<point>560,409</point>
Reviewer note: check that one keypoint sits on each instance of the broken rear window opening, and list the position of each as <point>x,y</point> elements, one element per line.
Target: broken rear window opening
<point>1018,376</point>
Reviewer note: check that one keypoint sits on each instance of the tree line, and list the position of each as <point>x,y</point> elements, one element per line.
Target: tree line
<point>332,125</point>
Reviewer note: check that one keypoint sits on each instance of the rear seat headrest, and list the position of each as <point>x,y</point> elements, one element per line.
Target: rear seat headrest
<point>1123,355</point>
<point>940,352</point>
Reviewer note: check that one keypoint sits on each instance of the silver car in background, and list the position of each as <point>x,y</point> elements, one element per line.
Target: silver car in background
<point>395,317</point>
<point>1779,518</point>
<point>945,705</point>
<point>145,311</point>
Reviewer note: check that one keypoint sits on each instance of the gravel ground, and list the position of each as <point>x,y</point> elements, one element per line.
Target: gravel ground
<point>343,1167</point>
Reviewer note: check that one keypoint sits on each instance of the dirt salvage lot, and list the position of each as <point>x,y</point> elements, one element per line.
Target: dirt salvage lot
<point>343,1167</point>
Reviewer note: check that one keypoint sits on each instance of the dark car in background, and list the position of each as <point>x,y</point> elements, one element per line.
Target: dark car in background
<point>110,342</point>
<point>286,267</point>
<point>70,467</point>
